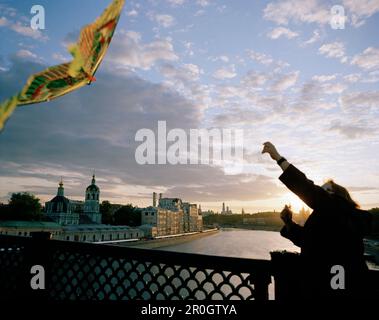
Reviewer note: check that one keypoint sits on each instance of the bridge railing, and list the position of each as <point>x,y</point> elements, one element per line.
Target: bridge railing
<point>87,271</point>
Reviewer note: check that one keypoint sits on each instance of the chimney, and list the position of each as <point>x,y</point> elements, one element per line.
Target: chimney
<point>154,199</point>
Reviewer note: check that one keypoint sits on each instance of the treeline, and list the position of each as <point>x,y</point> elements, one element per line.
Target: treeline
<point>22,206</point>
<point>262,219</point>
<point>115,214</point>
<point>272,220</point>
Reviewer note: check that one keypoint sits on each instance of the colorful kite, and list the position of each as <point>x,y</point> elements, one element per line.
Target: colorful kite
<point>59,80</point>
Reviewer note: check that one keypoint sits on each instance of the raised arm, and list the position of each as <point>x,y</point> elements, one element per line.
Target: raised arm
<point>314,196</point>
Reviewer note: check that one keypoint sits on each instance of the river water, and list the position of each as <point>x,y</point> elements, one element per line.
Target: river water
<point>254,244</point>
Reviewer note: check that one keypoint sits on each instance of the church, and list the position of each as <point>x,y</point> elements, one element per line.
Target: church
<point>70,212</point>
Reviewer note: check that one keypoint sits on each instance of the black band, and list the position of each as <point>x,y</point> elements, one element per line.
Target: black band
<point>281,160</point>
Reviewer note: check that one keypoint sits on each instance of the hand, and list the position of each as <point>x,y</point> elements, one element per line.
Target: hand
<point>286,214</point>
<point>269,148</point>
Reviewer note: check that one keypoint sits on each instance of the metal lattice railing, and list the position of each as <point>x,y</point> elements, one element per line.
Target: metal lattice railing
<point>84,271</point>
<point>87,271</point>
<point>12,258</point>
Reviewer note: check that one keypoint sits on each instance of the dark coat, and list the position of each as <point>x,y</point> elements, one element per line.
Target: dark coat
<point>332,235</point>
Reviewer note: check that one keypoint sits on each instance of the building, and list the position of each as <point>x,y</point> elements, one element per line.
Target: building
<point>73,212</point>
<point>24,228</point>
<point>99,233</point>
<point>171,216</point>
<point>61,210</point>
<point>91,204</point>
<point>191,214</point>
<point>227,210</point>
<point>74,220</point>
<point>207,213</point>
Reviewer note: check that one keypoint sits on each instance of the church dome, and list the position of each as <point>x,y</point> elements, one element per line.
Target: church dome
<point>60,204</point>
<point>93,188</point>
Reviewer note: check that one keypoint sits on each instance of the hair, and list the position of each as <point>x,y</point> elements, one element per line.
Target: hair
<point>342,192</point>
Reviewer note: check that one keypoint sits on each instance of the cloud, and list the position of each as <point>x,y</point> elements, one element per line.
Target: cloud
<point>96,124</point>
<point>333,88</point>
<point>128,50</point>
<point>199,13</point>
<point>185,73</point>
<point>260,57</point>
<point>225,73</point>
<point>3,22</point>
<point>94,128</point>
<point>312,96</point>
<point>315,11</point>
<point>282,32</point>
<point>373,76</point>
<point>352,77</point>
<point>360,10</point>
<point>352,131</point>
<point>164,20</point>
<point>324,78</point>
<point>132,13</point>
<point>28,32</point>
<point>236,190</point>
<point>255,79</point>
<point>284,12</point>
<point>239,116</point>
<point>26,54</point>
<point>222,58</point>
<point>368,59</point>
<point>60,57</point>
<point>315,37</point>
<point>360,100</point>
<point>185,79</point>
<point>176,3</point>
<point>18,26</point>
<point>203,3</point>
<point>334,50</point>
<point>285,81</point>
<point>266,60</point>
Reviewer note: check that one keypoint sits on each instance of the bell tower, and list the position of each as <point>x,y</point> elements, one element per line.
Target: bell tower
<point>91,204</point>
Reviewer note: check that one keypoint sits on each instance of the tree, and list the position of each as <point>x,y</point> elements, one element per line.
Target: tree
<point>128,215</point>
<point>23,206</point>
<point>4,211</point>
<point>106,211</point>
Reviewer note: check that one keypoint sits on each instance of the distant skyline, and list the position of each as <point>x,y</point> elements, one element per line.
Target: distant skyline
<point>275,69</point>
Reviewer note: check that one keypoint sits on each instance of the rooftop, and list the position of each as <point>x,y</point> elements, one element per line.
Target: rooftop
<point>29,224</point>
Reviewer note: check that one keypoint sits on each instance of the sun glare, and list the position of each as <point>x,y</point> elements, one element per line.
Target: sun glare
<point>294,201</point>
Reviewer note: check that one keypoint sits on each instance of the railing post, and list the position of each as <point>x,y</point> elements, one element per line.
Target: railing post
<point>285,269</point>
<point>261,281</point>
<point>37,253</point>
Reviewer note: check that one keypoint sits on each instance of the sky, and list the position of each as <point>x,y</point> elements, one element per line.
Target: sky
<point>277,70</point>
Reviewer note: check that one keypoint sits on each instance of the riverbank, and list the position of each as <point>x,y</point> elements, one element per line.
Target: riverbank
<point>252,227</point>
<point>167,241</point>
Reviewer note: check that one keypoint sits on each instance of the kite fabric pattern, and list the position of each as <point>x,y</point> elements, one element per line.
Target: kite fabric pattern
<point>59,80</point>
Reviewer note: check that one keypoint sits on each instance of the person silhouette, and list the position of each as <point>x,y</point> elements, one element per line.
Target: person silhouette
<point>331,239</point>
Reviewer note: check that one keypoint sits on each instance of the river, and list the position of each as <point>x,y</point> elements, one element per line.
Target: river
<point>254,244</point>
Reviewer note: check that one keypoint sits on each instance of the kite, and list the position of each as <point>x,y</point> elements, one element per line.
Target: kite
<point>56,81</point>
